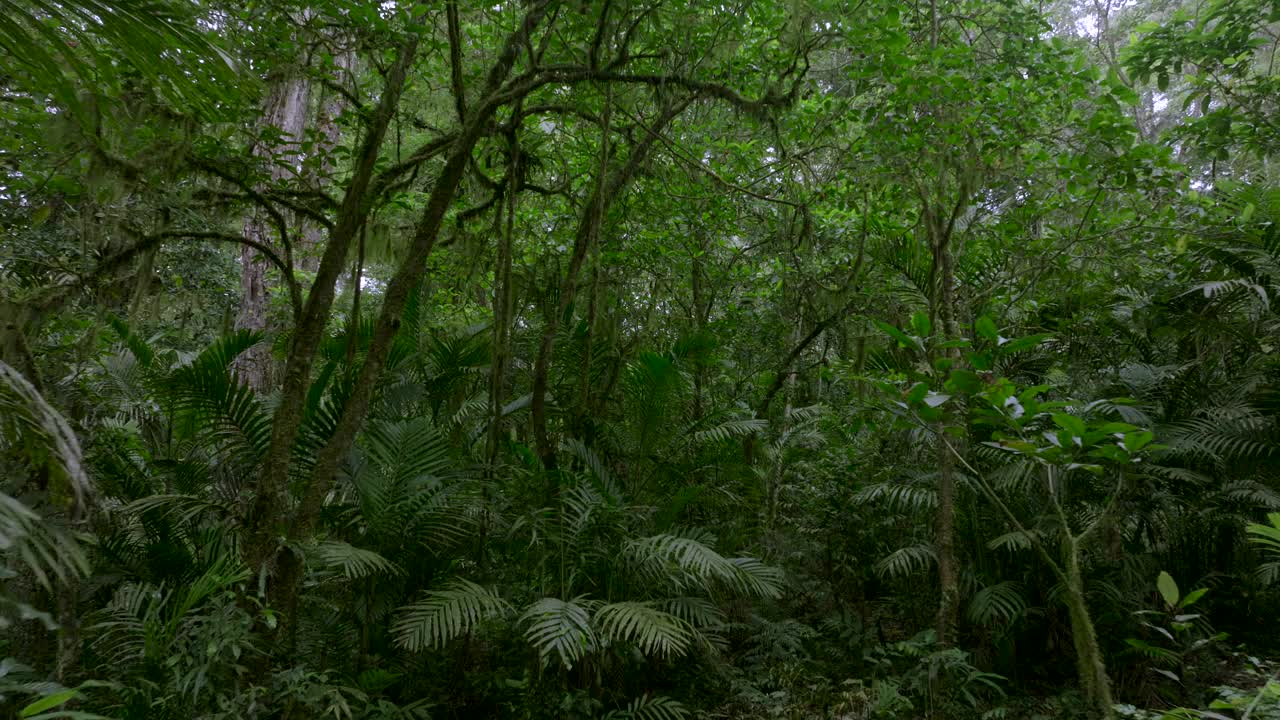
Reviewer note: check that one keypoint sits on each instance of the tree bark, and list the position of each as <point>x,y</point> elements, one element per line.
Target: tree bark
<point>502,304</point>
<point>268,510</point>
<point>406,278</point>
<point>1092,670</point>
<point>329,135</point>
<point>285,110</point>
<point>939,230</point>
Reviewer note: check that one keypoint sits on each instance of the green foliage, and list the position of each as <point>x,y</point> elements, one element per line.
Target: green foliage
<point>445,614</point>
<point>638,360</point>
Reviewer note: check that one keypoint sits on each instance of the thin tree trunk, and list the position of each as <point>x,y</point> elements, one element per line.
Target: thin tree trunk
<point>608,186</point>
<point>695,283</point>
<point>948,579</point>
<point>502,305</point>
<point>775,475</point>
<point>1092,670</point>
<point>939,230</point>
<point>406,278</point>
<point>584,369</point>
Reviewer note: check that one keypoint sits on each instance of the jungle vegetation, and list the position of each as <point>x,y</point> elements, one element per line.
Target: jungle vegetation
<point>647,359</point>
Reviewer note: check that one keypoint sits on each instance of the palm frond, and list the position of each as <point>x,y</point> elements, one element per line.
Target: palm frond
<point>654,631</point>
<point>43,548</point>
<point>728,430</point>
<point>42,435</point>
<point>998,604</point>
<point>354,563</point>
<point>445,614</point>
<point>560,628</point>
<point>76,43</point>
<point>1267,536</point>
<point>906,561</point>
<point>602,479</point>
<point>698,561</point>
<point>650,707</point>
<point>212,398</point>
<point>900,497</point>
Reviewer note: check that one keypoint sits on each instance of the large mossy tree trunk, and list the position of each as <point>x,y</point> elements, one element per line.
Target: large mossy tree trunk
<point>285,112</point>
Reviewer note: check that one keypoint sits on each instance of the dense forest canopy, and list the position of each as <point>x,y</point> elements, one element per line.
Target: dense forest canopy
<point>646,359</point>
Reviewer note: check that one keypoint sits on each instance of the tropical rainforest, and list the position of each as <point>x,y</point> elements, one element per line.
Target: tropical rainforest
<point>639,359</point>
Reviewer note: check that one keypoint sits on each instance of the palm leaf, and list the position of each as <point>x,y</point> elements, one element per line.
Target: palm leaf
<point>700,563</point>
<point>655,632</point>
<point>997,604</point>
<point>560,628</point>
<point>42,435</point>
<point>353,562</point>
<point>79,42</point>
<point>655,707</point>
<point>906,561</point>
<point>213,399</point>
<point>1267,536</point>
<point>445,614</point>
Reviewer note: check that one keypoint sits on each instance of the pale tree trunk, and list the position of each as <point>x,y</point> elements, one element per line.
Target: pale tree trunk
<point>948,606</point>
<point>328,136</point>
<point>285,110</point>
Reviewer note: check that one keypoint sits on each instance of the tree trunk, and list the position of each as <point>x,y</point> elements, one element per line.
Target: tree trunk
<point>948,581</point>
<point>329,135</point>
<point>502,305</point>
<point>408,275</point>
<point>286,111</point>
<point>609,185</point>
<point>1095,685</point>
<point>268,512</point>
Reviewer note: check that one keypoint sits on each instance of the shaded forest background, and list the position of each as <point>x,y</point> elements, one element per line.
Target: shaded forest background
<point>641,359</point>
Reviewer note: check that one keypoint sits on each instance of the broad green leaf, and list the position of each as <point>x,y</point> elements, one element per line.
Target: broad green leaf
<point>48,702</point>
<point>1135,441</point>
<point>985,327</point>
<point>1023,343</point>
<point>917,393</point>
<point>903,339</point>
<point>1070,423</point>
<point>920,323</point>
<point>1168,589</point>
<point>1192,597</point>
